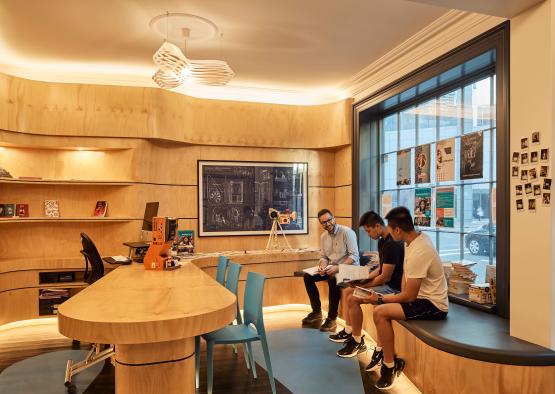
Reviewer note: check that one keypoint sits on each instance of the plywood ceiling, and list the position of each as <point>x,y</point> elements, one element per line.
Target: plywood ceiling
<point>289,45</point>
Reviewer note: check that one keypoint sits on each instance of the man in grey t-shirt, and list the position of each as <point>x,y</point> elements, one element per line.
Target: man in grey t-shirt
<point>338,245</point>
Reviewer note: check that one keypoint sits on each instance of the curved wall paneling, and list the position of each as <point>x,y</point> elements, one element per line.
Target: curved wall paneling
<point>117,111</point>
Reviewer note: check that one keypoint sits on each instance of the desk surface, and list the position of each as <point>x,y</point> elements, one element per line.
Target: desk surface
<point>132,305</point>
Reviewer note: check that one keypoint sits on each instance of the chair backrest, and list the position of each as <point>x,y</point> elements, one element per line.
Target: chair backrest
<point>222,266</point>
<point>93,257</point>
<point>232,284</point>
<point>252,306</point>
<point>232,280</point>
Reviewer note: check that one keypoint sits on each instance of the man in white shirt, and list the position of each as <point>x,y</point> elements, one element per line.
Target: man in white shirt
<point>338,245</point>
<point>423,294</point>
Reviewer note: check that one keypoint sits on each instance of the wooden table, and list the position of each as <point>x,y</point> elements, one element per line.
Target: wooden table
<point>152,317</point>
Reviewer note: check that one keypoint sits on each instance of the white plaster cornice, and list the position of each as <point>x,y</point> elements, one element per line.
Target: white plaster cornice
<point>447,32</point>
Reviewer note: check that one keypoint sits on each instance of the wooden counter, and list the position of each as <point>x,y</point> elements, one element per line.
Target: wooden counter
<point>152,317</point>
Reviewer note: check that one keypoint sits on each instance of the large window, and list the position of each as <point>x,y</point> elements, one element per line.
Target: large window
<point>428,135</point>
<point>432,143</point>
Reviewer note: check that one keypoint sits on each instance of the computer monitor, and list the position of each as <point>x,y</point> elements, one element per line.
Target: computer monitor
<point>151,210</point>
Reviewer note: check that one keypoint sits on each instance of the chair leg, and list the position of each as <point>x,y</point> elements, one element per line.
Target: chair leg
<point>234,348</point>
<point>209,365</point>
<point>246,354</point>
<point>268,363</point>
<point>251,354</point>
<point>197,361</point>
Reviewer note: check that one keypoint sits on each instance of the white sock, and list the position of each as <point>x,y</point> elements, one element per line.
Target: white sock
<point>348,329</point>
<point>378,348</point>
<point>389,365</point>
<point>357,338</point>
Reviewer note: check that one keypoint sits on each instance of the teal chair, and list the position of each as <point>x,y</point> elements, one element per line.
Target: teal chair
<point>252,329</point>
<point>222,266</point>
<point>232,284</point>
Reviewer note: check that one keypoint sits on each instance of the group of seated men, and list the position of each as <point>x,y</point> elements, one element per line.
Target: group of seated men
<point>408,284</point>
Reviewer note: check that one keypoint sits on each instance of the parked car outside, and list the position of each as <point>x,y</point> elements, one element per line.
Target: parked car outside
<point>477,242</point>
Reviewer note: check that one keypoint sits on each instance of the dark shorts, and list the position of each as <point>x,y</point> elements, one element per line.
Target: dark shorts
<point>422,309</point>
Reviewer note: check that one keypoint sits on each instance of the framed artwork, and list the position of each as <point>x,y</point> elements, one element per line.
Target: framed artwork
<point>235,197</point>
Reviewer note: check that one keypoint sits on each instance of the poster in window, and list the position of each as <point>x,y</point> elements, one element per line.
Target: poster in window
<point>403,167</point>
<point>387,203</point>
<point>445,160</point>
<point>422,163</point>
<point>445,207</point>
<point>423,206</point>
<point>472,156</point>
<point>235,197</point>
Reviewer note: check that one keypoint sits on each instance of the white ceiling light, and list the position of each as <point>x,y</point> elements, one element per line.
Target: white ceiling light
<point>174,67</point>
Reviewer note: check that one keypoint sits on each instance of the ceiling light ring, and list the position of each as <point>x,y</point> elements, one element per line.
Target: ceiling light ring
<point>203,21</point>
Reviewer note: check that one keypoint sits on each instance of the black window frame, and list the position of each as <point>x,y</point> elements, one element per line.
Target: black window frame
<point>368,109</point>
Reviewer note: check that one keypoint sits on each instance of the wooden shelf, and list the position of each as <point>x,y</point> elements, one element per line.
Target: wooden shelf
<point>59,220</point>
<point>72,182</point>
<point>62,285</point>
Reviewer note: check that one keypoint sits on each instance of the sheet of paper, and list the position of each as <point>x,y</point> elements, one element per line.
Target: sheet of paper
<point>312,270</point>
<point>120,258</point>
<point>348,273</point>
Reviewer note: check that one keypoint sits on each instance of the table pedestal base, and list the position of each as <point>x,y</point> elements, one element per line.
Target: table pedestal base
<point>153,368</point>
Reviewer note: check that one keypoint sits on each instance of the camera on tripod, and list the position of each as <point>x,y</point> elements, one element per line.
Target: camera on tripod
<point>282,218</point>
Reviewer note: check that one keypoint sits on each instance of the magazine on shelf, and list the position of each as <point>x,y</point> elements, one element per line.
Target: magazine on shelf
<point>100,209</point>
<point>51,209</point>
<point>22,210</point>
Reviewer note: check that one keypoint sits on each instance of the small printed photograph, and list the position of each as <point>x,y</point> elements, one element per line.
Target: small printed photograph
<point>544,155</point>
<point>543,171</point>
<point>523,175</point>
<point>547,184</point>
<point>520,205</point>
<point>532,174</point>
<point>524,158</point>
<point>535,137</point>
<point>516,156</point>
<point>534,157</point>
<point>528,188</point>
<point>532,204</point>
<point>524,143</point>
<point>537,190</point>
<point>515,171</point>
<point>546,199</point>
<point>518,189</point>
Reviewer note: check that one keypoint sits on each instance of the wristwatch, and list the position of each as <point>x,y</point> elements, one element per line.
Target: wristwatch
<point>380,299</point>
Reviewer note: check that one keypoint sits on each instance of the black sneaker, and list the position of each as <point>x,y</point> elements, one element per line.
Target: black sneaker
<point>329,325</point>
<point>352,348</point>
<point>312,317</point>
<point>388,374</point>
<point>376,361</point>
<point>340,337</point>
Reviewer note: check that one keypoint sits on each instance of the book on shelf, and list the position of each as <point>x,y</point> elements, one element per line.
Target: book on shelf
<point>7,210</point>
<point>22,210</point>
<point>185,241</point>
<point>100,209</point>
<point>51,209</point>
<point>51,294</point>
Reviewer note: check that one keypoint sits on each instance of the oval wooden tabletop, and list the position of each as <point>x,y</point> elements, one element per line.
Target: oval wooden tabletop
<point>132,305</point>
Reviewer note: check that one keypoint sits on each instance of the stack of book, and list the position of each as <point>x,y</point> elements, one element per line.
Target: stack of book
<point>50,294</point>
<point>461,277</point>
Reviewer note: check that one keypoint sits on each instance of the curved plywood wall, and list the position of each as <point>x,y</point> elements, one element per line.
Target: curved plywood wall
<point>141,112</point>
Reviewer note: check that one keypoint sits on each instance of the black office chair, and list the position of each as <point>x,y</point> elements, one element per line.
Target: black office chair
<point>95,354</point>
<point>92,257</point>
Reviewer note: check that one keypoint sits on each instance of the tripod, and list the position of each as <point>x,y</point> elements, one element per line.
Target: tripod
<point>274,240</point>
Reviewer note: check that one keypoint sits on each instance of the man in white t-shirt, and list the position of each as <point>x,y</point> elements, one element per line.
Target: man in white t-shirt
<point>423,293</point>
